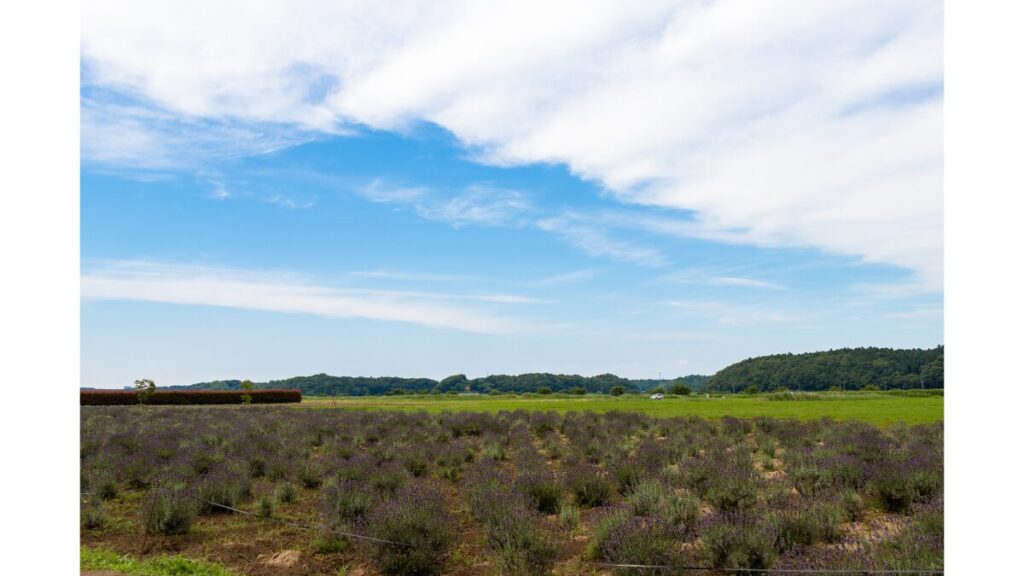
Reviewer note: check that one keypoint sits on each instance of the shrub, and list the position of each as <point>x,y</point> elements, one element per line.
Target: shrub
<point>257,467</point>
<point>265,506</point>
<point>604,528</point>
<point>654,499</point>
<point>284,492</point>
<point>589,485</point>
<point>808,480</point>
<point>617,391</point>
<point>417,464</point>
<point>225,489</point>
<point>387,479</point>
<point>751,390</point>
<point>925,483</point>
<point>521,545</point>
<point>311,475</point>
<point>494,450</point>
<point>647,498</point>
<point>416,517</point>
<point>168,512</point>
<point>853,505</point>
<point>641,541</point>
<point>345,502</point>
<point>628,472</point>
<point>542,489</point>
<point>894,491</point>
<point>107,489</point>
<point>330,543</point>
<point>741,545</point>
<point>94,515</point>
<point>578,390</point>
<point>569,516</point>
<point>681,510</point>
<point>544,390</point>
<point>730,494</point>
<point>807,525</point>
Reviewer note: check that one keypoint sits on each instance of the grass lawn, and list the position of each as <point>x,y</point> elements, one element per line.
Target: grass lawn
<point>97,559</point>
<point>874,408</point>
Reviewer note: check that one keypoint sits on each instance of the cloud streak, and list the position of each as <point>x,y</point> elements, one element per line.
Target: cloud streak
<point>285,293</point>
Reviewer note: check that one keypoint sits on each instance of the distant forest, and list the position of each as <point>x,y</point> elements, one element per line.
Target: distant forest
<point>325,385</point>
<point>846,368</point>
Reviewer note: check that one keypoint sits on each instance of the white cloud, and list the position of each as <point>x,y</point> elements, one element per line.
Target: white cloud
<point>744,282</point>
<point>379,191</point>
<point>732,314</point>
<point>719,277</point>
<point>410,276</point>
<point>479,205</point>
<point>596,242</point>
<point>287,202</point>
<point>777,122</point>
<point>288,293</point>
<point>570,277</point>
<point>138,137</point>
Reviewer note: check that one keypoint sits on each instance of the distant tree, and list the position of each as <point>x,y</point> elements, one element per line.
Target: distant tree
<point>543,390</point>
<point>680,389</point>
<point>144,390</point>
<point>454,382</point>
<point>247,386</point>
<point>396,392</point>
<point>751,390</point>
<point>656,390</point>
<point>932,374</point>
<point>578,390</point>
<point>617,391</point>
<point>850,368</point>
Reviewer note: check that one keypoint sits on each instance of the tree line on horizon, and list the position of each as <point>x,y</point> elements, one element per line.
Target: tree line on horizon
<point>845,368</point>
<point>327,385</point>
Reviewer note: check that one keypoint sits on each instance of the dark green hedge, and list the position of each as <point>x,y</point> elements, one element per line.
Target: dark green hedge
<point>177,397</point>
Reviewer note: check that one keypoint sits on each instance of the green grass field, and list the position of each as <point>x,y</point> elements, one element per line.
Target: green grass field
<point>108,561</point>
<point>880,409</point>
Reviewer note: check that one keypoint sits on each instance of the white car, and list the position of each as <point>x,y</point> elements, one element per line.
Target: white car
<point>658,396</point>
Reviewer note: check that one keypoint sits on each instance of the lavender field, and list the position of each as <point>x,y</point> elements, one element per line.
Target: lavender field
<point>335,491</point>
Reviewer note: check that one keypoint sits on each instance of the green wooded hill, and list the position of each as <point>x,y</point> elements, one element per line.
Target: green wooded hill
<point>326,385</point>
<point>846,368</point>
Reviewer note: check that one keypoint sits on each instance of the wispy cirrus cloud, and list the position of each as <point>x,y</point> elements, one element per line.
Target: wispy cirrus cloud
<point>719,277</point>
<point>736,314</point>
<point>595,241</point>
<point>479,205</point>
<point>139,137</point>
<point>291,293</point>
<point>570,277</point>
<point>378,190</point>
<point>410,276</point>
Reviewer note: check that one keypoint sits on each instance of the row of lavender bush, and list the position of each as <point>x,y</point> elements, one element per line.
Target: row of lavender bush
<point>728,493</point>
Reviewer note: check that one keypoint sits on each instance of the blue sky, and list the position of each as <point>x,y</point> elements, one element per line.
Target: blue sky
<point>318,209</point>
